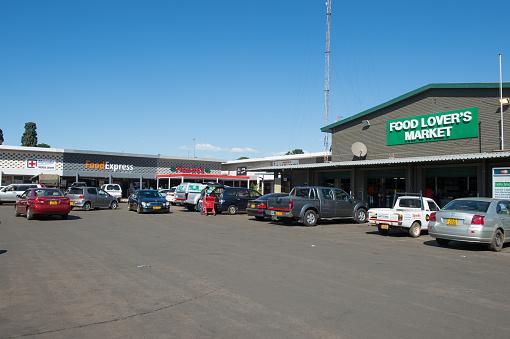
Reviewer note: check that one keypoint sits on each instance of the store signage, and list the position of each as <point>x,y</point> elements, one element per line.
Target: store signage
<point>242,170</point>
<point>190,170</point>
<point>501,183</point>
<point>285,163</point>
<point>450,125</point>
<point>46,164</point>
<point>106,165</point>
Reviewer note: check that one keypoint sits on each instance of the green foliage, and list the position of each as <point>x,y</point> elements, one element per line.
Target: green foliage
<point>43,145</point>
<point>256,187</point>
<point>296,151</point>
<point>242,158</point>
<point>29,137</point>
<point>1,136</point>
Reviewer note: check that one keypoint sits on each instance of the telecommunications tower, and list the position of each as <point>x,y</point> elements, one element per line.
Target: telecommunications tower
<point>326,85</point>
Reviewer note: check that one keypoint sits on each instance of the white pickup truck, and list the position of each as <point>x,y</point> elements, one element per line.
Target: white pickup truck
<point>409,213</point>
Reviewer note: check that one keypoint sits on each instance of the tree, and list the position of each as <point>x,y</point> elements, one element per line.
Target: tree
<point>243,158</point>
<point>1,136</point>
<point>43,145</point>
<point>296,151</point>
<point>29,138</point>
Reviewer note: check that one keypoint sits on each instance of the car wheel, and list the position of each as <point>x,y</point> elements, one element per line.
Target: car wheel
<point>442,242</point>
<point>114,205</point>
<point>64,216</point>
<point>16,213</point>
<point>87,206</point>
<point>259,218</point>
<point>310,218</point>
<point>415,230</point>
<point>383,231</point>
<point>128,206</point>
<point>30,216</point>
<point>497,241</point>
<point>232,209</point>
<point>138,209</point>
<point>361,216</point>
<point>198,206</point>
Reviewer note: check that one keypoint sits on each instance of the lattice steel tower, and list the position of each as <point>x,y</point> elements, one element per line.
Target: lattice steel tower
<point>326,85</point>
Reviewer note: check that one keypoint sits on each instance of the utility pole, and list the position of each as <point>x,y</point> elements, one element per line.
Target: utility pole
<point>326,85</point>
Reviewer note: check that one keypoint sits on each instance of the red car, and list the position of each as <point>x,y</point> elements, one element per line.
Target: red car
<point>42,201</point>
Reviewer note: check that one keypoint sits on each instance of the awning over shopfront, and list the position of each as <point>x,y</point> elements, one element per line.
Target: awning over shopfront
<point>183,176</point>
<point>46,179</point>
<point>393,161</point>
<point>208,177</point>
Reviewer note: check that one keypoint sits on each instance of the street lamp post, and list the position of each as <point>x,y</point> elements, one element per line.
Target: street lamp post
<point>501,102</point>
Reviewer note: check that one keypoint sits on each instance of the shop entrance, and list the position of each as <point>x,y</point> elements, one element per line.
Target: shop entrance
<point>382,185</point>
<point>340,180</point>
<point>446,184</point>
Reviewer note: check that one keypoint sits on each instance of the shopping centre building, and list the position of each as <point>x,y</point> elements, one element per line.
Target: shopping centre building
<point>443,140</point>
<point>62,167</point>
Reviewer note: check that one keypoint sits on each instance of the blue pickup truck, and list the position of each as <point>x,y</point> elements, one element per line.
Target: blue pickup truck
<point>309,204</point>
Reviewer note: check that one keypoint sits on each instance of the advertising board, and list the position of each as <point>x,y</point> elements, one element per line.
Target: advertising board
<point>501,182</point>
<point>450,125</point>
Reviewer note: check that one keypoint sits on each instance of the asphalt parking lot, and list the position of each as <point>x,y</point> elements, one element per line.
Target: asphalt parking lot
<point>118,274</point>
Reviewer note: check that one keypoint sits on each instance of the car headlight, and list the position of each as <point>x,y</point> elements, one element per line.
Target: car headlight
<point>144,204</point>
<point>167,203</point>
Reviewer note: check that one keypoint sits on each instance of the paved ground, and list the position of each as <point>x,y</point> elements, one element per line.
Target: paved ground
<point>234,277</point>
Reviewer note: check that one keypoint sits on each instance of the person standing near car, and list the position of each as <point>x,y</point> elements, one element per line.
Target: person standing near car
<point>203,195</point>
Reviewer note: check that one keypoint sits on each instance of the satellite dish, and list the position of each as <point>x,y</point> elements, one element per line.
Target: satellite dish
<point>359,149</point>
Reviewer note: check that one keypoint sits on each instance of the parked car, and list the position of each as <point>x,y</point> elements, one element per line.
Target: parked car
<point>409,213</point>
<point>79,184</point>
<point>42,201</point>
<point>232,199</point>
<point>170,195</point>
<point>113,189</point>
<point>309,204</point>
<point>147,200</point>
<point>258,207</point>
<point>91,197</point>
<point>13,191</point>
<point>188,195</point>
<point>478,220</point>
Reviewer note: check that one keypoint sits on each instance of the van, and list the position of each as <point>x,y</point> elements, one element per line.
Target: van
<point>113,189</point>
<point>231,199</point>
<point>13,191</point>
<point>235,199</point>
<point>188,195</point>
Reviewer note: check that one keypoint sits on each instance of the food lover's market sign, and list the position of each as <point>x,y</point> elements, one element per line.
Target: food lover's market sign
<point>450,125</point>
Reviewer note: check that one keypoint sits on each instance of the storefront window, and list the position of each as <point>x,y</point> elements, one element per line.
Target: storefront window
<point>340,180</point>
<point>382,185</point>
<point>446,184</point>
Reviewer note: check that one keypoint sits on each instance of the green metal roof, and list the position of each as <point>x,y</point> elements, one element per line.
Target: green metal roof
<point>330,127</point>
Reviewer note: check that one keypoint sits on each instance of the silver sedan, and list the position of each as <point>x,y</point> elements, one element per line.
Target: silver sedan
<point>478,220</point>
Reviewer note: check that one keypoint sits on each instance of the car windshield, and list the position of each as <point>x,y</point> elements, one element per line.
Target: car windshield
<point>150,194</point>
<point>467,205</point>
<point>48,193</point>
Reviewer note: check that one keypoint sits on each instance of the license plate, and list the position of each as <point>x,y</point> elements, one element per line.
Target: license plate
<point>53,202</point>
<point>451,222</point>
<point>278,213</point>
<point>252,206</point>
<point>72,203</point>
<point>157,207</point>
<point>385,227</point>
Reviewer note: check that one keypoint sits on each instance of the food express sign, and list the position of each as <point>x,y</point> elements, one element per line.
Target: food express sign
<point>450,125</point>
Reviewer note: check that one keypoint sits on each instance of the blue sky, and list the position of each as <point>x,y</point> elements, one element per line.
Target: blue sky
<point>224,79</point>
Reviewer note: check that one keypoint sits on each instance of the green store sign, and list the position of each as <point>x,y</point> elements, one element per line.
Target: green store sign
<point>450,125</point>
